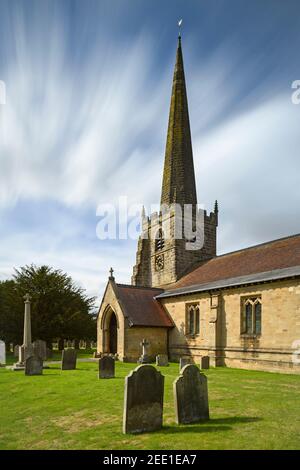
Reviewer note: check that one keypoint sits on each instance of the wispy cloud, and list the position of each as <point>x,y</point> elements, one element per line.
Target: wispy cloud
<point>85,122</point>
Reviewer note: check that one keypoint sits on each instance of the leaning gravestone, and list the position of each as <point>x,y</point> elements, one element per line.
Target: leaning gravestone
<point>34,365</point>
<point>162,360</point>
<point>143,401</point>
<point>204,362</point>
<point>16,350</point>
<point>40,349</point>
<point>191,396</point>
<point>183,361</point>
<point>106,367</point>
<point>2,352</point>
<point>69,357</point>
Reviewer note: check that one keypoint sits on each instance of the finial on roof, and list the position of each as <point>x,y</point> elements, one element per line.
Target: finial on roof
<point>217,212</point>
<point>143,212</point>
<point>111,276</point>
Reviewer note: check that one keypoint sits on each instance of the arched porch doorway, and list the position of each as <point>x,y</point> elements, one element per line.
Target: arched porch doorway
<point>113,334</point>
<point>110,332</point>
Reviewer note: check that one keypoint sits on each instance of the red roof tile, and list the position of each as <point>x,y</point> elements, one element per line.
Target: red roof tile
<point>140,306</point>
<point>277,254</point>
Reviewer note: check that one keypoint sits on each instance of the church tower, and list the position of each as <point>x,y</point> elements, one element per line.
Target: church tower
<point>163,257</point>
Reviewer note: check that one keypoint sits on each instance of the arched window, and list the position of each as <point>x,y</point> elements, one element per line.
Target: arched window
<point>251,316</point>
<point>193,320</point>
<point>159,240</point>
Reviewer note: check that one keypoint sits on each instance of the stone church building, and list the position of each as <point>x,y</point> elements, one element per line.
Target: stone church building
<point>241,308</point>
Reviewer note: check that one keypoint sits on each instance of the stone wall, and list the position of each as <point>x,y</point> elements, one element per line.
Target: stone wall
<point>157,337</point>
<point>220,327</point>
<point>109,303</point>
<point>177,260</point>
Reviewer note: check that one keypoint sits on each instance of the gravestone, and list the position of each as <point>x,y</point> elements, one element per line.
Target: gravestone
<point>143,401</point>
<point>34,366</point>
<point>162,360</point>
<point>40,349</point>
<point>106,367</point>
<point>183,361</point>
<point>68,361</point>
<point>2,352</point>
<point>144,358</point>
<point>16,350</point>
<point>204,362</point>
<point>191,396</point>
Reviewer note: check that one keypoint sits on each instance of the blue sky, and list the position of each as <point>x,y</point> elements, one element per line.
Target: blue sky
<point>88,91</point>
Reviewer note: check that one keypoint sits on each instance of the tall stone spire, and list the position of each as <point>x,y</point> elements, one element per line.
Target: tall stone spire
<point>178,184</point>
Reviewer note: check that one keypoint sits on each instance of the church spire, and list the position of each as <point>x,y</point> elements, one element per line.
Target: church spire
<point>179,178</point>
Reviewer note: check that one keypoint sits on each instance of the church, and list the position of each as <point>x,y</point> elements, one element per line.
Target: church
<point>242,309</point>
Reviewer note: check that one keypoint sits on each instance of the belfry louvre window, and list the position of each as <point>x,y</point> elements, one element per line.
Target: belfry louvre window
<point>159,240</point>
<point>192,319</point>
<point>251,316</point>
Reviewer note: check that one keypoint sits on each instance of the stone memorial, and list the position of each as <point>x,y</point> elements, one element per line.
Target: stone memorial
<point>143,400</point>
<point>33,366</point>
<point>204,362</point>
<point>183,361</point>
<point>106,367</point>
<point>162,360</point>
<point>69,357</point>
<point>16,350</point>
<point>144,359</point>
<point>2,353</point>
<point>191,396</point>
<point>26,350</point>
<point>40,349</point>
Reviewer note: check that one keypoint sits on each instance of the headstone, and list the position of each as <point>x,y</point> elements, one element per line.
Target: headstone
<point>191,396</point>
<point>40,349</point>
<point>2,352</point>
<point>204,362</point>
<point>144,359</point>
<point>183,361</point>
<point>143,401</point>
<point>69,357</point>
<point>34,366</point>
<point>16,350</point>
<point>106,367</point>
<point>162,360</point>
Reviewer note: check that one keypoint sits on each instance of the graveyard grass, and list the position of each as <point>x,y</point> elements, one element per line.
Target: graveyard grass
<point>76,410</point>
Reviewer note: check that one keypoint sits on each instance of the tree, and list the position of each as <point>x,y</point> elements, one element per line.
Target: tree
<point>60,309</point>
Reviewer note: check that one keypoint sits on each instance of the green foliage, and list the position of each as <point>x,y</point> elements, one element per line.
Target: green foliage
<point>60,309</point>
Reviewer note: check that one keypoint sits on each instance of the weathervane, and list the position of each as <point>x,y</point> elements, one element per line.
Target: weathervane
<point>179,26</point>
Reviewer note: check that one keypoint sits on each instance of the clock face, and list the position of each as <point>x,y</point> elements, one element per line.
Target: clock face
<point>159,262</point>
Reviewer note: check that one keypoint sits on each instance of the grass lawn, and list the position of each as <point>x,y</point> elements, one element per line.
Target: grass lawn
<point>75,410</point>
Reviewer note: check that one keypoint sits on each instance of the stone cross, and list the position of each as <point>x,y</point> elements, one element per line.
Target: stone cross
<point>144,359</point>
<point>144,345</point>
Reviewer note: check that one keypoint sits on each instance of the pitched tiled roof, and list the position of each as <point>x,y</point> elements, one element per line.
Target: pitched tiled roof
<point>140,306</point>
<point>275,274</point>
<point>274,255</point>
